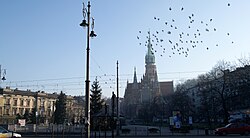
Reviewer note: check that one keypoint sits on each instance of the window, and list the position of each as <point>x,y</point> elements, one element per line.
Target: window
<point>28,103</point>
<point>21,111</point>
<point>21,102</point>
<point>49,112</point>
<point>7,111</point>
<point>15,102</point>
<point>8,101</point>
<point>14,111</point>
<point>43,103</point>
<point>49,104</point>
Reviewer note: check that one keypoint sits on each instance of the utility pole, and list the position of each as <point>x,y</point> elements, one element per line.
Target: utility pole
<point>117,110</point>
<point>113,113</point>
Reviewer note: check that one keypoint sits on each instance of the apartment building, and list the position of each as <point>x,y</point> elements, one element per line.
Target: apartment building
<point>14,102</point>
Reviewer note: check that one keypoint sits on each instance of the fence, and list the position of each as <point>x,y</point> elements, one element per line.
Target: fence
<point>135,130</point>
<point>131,130</point>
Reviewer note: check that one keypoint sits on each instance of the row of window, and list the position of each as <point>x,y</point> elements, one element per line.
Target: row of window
<point>21,111</point>
<point>23,102</point>
<point>26,102</point>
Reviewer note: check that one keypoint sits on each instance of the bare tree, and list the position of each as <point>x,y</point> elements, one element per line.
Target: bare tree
<point>219,86</point>
<point>243,61</point>
<point>180,101</point>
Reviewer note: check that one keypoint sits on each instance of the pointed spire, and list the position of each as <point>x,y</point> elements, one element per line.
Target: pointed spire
<point>149,58</point>
<point>135,78</point>
<point>149,44</point>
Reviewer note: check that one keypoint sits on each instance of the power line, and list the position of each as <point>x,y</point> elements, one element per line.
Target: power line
<point>71,84</point>
<point>105,75</point>
<point>63,81</point>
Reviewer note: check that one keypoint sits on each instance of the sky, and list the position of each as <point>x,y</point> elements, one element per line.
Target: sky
<point>43,47</point>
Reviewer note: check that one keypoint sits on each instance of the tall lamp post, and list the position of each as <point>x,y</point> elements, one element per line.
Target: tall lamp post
<point>117,104</point>
<point>2,79</point>
<point>2,73</point>
<point>86,23</point>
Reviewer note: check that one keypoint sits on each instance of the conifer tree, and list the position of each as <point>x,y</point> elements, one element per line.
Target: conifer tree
<point>26,116</point>
<point>96,101</point>
<point>33,116</point>
<point>60,112</point>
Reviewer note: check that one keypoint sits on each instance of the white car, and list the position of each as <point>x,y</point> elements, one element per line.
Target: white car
<point>4,133</point>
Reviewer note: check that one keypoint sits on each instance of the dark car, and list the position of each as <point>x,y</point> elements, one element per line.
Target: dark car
<point>234,128</point>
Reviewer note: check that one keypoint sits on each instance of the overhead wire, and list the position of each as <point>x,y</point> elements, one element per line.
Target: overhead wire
<point>71,84</point>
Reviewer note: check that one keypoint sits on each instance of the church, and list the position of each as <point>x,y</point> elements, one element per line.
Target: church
<point>148,89</point>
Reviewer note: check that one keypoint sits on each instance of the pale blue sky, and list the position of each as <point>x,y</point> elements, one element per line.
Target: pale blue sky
<point>43,47</point>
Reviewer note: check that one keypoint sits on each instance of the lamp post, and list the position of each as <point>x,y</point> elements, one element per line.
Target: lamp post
<point>2,73</point>
<point>86,23</point>
<point>2,79</point>
<point>117,104</point>
<point>113,113</point>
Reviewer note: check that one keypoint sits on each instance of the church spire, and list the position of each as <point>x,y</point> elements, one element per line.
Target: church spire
<point>135,78</point>
<point>149,58</point>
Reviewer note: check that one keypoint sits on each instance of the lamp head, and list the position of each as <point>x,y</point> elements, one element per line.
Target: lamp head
<point>4,78</point>
<point>92,34</point>
<point>84,23</point>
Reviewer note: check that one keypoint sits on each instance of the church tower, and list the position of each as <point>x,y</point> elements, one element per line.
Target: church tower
<point>151,72</point>
<point>147,90</point>
<point>150,84</point>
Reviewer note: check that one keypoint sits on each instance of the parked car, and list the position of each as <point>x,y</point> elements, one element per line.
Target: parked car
<point>153,130</point>
<point>234,128</point>
<point>4,133</point>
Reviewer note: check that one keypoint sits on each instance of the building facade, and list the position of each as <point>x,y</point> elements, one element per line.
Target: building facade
<point>228,87</point>
<point>148,90</point>
<point>14,102</point>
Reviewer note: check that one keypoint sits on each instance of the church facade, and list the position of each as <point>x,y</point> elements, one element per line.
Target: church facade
<point>148,90</point>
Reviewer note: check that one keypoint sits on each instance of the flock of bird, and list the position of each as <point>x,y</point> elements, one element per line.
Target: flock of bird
<point>180,39</point>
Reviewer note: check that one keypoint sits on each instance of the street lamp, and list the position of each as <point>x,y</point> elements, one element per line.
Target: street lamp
<point>4,73</point>
<point>86,23</point>
<point>2,79</point>
<point>117,104</point>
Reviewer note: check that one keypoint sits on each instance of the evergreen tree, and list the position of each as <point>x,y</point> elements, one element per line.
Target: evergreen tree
<point>96,101</point>
<point>26,116</point>
<point>18,116</point>
<point>60,112</point>
<point>32,116</point>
